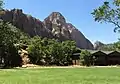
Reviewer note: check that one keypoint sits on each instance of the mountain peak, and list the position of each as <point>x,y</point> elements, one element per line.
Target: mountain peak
<point>56,16</point>
<point>57,13</point>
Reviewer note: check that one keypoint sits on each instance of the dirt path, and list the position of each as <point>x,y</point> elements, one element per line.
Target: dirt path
<point>73,66</point>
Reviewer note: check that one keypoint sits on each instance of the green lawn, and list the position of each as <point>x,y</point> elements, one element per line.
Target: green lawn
<point>61,76</point>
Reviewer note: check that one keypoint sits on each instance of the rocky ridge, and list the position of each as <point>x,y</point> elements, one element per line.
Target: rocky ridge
<point>54,26</point>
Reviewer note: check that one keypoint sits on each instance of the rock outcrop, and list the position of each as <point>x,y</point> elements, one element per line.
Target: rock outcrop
<point>54,26</point>
<point>25,22</point>
<point>24,55</point>
<point>98,45</point>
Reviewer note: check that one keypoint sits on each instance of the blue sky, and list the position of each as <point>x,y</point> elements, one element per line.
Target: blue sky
<point>77,12</point>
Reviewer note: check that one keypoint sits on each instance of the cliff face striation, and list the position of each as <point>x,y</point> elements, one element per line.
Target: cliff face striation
<point>54,26</point>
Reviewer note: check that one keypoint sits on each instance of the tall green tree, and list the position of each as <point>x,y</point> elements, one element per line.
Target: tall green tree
<point>8,52</point>
<point>69,47</point>
<point>109,12</point>
<point>36,50</point>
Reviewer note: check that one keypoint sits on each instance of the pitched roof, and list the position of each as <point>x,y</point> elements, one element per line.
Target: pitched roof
<point>76,54</point>
<point>93,51</point>
<point>106,52</point>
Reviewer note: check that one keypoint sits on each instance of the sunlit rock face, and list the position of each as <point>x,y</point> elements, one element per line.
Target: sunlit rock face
<point>54,26</point>
<point>56,23</point>
<point>63,30</point>
<point>98,45</point>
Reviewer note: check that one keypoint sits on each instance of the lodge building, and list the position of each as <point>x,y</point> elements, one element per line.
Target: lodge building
<point>104,58</point>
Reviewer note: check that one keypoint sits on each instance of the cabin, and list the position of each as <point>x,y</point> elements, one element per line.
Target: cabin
<point>100,58</point>
<point>113,58</point>
<point>104,58</point>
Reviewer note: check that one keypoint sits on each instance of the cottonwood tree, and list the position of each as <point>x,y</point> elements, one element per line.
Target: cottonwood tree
<point>44,51</point>
<point>109,12</point>
<point>1,4</point>
<point>9,36</point>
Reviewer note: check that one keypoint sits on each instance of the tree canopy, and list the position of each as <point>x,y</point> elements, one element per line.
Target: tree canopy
<point>1,4</point>
<point>44,51</point>
<point>9,36</point>
<point>109,12</point>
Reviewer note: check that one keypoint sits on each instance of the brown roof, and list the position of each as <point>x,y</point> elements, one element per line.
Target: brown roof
<point>106,52</point>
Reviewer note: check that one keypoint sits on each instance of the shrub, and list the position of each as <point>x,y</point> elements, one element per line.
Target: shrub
<point>86,58</point>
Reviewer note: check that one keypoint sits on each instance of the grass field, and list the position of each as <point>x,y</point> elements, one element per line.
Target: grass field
<point>61,76</point>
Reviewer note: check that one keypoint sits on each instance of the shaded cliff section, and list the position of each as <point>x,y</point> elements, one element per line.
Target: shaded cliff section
<point>54,26</point>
